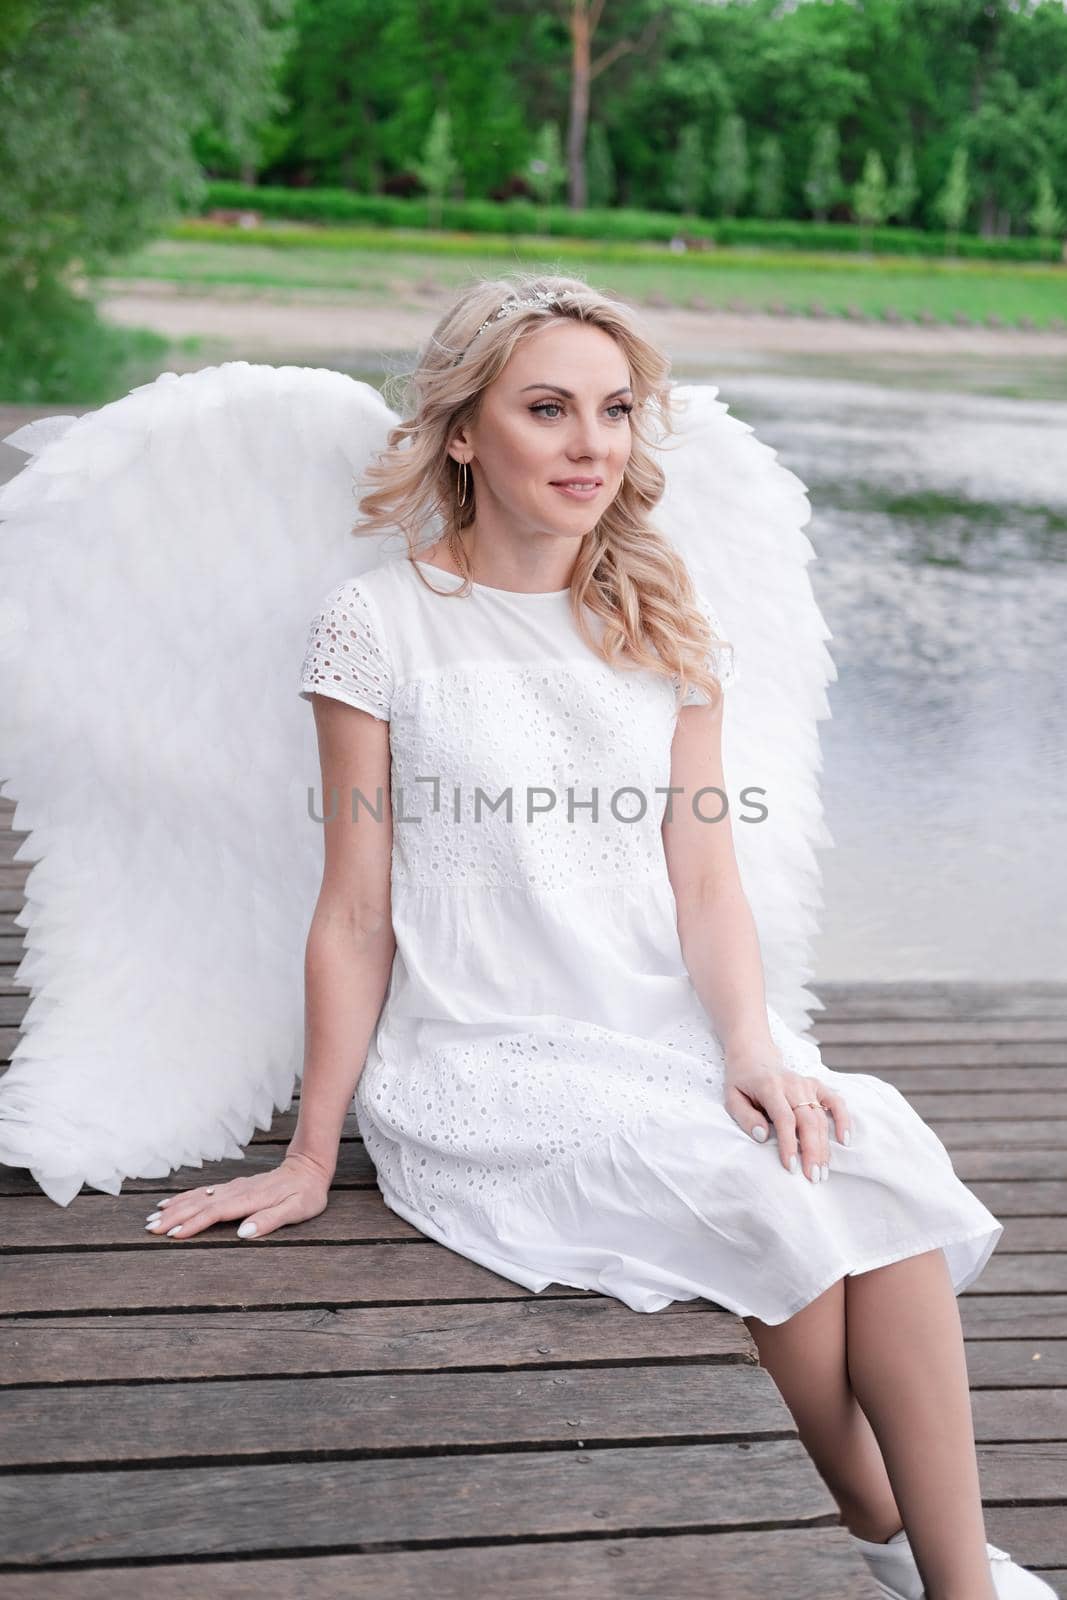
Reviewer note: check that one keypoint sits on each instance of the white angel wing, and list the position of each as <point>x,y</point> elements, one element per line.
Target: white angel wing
<point>736,515</point>
<point>160,559</point>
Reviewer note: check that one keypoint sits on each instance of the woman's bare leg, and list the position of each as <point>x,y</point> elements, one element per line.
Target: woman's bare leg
<point>908,1369</point>
<point>874,1374</point>
<point>808,1360</point>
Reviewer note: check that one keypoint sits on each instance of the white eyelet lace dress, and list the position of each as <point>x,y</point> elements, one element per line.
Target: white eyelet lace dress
<point>544,1090</point>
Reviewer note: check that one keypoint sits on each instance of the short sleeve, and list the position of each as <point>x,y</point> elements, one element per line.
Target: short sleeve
<point>346,658</point>
<point>720,660</point>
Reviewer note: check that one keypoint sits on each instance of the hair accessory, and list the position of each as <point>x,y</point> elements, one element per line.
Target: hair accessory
<point>543,299</point>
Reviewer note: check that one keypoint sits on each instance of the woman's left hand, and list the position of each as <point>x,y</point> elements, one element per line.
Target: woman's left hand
<point>760,1089</point>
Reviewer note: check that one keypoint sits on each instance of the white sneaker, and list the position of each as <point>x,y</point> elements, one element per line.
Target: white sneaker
<point>894,1571</point>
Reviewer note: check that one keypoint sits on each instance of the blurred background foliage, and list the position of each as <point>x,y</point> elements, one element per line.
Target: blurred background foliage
<point>916,126</point>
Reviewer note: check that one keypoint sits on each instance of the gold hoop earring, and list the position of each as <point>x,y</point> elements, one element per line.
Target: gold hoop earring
<point>464,478</point>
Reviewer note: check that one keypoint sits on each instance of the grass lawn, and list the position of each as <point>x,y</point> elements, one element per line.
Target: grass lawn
<point>385,267</point>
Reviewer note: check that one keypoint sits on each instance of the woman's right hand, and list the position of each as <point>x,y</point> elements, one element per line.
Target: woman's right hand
<point>292,1192</point>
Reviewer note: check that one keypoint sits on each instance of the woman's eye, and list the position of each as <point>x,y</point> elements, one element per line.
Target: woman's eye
<point>544,406</point>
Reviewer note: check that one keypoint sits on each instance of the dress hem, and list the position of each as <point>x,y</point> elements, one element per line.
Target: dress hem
<point>536,1282</point>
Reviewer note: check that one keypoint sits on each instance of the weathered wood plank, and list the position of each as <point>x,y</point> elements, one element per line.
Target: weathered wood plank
<point>252,1510</point>
<point>1011,1316</point>
<point>988,1164</point>
<point>155,1279</point>
<point>1035,1538</point>
<point>1020,1198</point>
<point>907,1030</point>
<point>405,1338</point>
<point>1022,1274</point>
<point>37,1223</point>
<point>1019,1414</point>
<point>914,1000</point>
<point>261,1419</point>
<point>1033,1472</point>
<point>303,1275</point>
<point>821,1564</point>
<point>1039,1234</point>
<point>1017,1363</point>
<point>1010,1105</point>
<point>1004,1051</point>
<point>1049,1134</point>
<point>974,1080</point>
<point>361,1216</point>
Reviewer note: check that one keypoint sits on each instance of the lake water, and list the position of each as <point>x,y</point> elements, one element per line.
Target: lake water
<point>940,525</point>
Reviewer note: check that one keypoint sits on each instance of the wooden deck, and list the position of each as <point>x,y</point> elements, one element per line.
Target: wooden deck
<point>347,1409</point>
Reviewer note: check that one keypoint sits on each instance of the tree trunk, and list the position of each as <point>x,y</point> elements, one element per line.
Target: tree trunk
<point>579,104</point>
<point>987,215</point>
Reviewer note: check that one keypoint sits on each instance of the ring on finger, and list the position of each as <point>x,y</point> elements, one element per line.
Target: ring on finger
<point>822,1168</point>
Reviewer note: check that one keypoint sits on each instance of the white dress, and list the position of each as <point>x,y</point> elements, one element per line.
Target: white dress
<point>544,1090</point>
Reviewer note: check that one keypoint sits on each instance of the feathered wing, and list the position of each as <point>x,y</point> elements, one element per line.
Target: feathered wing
<point>159,561</point>
<point>737,515</point>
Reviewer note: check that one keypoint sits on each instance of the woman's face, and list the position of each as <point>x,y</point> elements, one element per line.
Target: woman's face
<point>559,411</point>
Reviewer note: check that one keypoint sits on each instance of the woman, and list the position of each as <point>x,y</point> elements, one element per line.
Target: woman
<point>533,962</point>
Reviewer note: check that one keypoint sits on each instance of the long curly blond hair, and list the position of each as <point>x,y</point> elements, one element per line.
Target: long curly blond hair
<point>627,573</point>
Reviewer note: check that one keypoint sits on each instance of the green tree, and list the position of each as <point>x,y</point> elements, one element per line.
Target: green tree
<point>767,188</point>
<point>904,190</point>
<point>545,168</point>
<point>953,199</point>
<point>823,185</point>
<point>341,78</point>
<point>599,167</point>
<point>437,168</point>
<point>456,53</point>
<point>729,167</point>
<point>1046,217</point>
<point>583,20</point>
<point>870,196</point>
<point>689,179</point>
<point>100,101</point>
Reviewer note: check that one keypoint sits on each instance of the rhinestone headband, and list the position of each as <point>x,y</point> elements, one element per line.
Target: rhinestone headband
<point>543,299</point>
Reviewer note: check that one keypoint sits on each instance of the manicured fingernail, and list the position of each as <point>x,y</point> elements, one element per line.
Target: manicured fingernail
<point>760,1134</point>
<point>246,1230</point>
<point>172,1231</point>
<point>816,1173</point>
<point>165,1202</point>
<point>150,1227</point>
<point>154,1216</point>
<point>846,1137</point>
<point>825,1171</point>
<point>794,1162</point>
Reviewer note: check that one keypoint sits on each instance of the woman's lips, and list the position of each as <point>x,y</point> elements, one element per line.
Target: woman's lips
<point>579,491</point>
